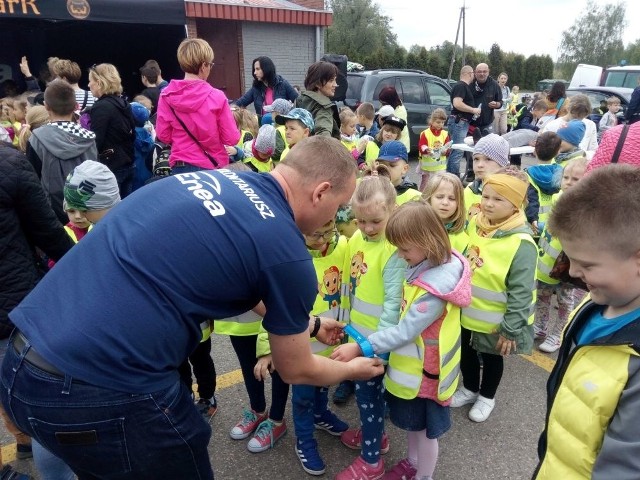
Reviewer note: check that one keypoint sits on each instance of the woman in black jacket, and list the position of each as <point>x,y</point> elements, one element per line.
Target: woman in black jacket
<point>113,123</point>
<point>265,79</point>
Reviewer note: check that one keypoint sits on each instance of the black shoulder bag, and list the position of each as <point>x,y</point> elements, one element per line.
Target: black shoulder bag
<point>184,127</point>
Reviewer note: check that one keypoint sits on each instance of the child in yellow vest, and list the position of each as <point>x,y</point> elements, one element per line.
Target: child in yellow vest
<point>424,363</point>
<point>445,193</point>
<point>394,156</point>
<point>348,135</point>
<point>368,149</point>
<point>374,274</point>
<point>503,258</point>
<point>247,123</point>
<point>298,124</point>
<point>567,295</point>
<point>261,149</point>
<point>280,106</point>
<point>490,154</point>
<point>433,147</point>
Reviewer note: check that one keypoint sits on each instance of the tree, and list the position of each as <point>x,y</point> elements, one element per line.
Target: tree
<point>632,53</point>
<point>496,60</point>
<point>594,38</point>
<point>359,29</point>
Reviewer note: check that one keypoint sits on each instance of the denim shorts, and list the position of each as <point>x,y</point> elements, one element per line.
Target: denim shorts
<point>419,414</point>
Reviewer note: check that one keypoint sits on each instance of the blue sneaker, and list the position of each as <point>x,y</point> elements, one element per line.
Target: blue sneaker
<point>330,423</point>
<point>310,459</point>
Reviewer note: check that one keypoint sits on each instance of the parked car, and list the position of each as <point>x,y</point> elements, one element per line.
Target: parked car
<point>420,92</point>
<point>597,94</point>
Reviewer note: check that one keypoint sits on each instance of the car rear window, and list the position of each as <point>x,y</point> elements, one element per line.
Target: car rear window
<point>354,87</point>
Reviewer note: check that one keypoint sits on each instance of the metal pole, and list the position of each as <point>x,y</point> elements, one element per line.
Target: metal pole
<point>455,46</point>
<point>464,60</point>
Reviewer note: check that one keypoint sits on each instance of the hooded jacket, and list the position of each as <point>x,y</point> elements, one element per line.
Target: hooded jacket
<point>547,178</point>
<point>114,126</point>
<point>281,89</point>
<point>324,112</point>
<point>60,147</point>
<point>26,220</point>
<point>205,112</point>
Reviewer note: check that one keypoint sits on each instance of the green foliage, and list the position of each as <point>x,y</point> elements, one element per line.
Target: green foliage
<point>632,53</point>
<point>496,60</point>
<point>594,38</point>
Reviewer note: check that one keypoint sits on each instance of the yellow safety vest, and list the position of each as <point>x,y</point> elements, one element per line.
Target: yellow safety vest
<point>407,196</point>
<point>242,325</point>
<point>260,166</point>
<point>490,260</point>
<point>205,327</point>
<point>331,289</point>
<point>428,163</point>
<point>365,263</point>
<point>471,202</point>
<point>548,248</point>
<point>72,234</point>
<point>371,152</point>
<point>582,409</point>
<point>546,202</point>
<point>280,132</point>
<point>405,372</point>
<point>459,241</point>
<point>245,136</point>
<point>349,144</point>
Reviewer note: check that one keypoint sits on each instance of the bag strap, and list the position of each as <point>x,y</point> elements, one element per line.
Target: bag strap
<point>84,102</point>
<point>184,127</point>
<point>623,136</point>
<point>559,106</point>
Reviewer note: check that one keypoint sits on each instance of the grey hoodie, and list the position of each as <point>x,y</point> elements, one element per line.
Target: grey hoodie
<point>61,146</point>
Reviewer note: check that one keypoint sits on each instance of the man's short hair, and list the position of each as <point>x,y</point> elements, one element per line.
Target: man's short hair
<point>540,105</point>
<point>322,159</point>
<point>603,207</point>
<point>366,110</point>
<point>68,70</point>
<point>547,146</point>
<point>60,98</point>
<point>150,70</point>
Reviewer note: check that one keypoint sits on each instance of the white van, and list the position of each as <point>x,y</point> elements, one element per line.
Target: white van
<point>586,76</point>
<point>594,76</point>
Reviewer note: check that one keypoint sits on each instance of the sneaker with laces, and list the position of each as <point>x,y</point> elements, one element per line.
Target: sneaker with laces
<point>309,457</point>
<point>539,331</point>
<point>482,409</point>
<point>330,423</point>
<point>206,407</point>
<point>247,424</point>
<point>403,470</point>
<point>361,470</point>
<point>267,434</point>
<point>463,396</point>
<point>343,392</point>
<point>550,344</point>
<point>353,439</point>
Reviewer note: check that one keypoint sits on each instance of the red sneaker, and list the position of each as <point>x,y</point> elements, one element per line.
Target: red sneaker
<point>353,439</point>
<point>267,434</point>
<point>361,470</point>
<point>247,424</point>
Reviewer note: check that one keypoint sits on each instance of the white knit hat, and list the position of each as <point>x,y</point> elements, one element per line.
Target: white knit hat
<point>495,148</point>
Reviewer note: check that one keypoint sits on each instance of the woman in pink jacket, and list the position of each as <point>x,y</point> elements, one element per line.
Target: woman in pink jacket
<point>193,117</point>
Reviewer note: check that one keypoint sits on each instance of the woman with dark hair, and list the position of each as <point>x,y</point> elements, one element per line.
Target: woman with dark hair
<point>557,98</point>
<point>389,96</point>
<point>320,84</point>
<point>267,86</point>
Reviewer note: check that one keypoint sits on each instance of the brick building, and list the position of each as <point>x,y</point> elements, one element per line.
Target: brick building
<point>291,33</point>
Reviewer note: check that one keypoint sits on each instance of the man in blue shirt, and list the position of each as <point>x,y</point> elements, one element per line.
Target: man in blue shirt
<point>93,368</point>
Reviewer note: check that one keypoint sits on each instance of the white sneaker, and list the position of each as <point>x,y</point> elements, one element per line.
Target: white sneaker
<point>463,396</point>
<point>551,344</point>
<point>539,331</point>
<point>482,409</point>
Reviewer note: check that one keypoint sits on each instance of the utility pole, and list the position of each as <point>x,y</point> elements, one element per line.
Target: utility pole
<point>461,21</point>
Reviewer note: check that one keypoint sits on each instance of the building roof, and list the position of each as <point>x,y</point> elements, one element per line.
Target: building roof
<point>270,11</point>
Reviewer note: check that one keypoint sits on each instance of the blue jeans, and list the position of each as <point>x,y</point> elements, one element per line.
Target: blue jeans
<point>307,402</point>
<point>49,466</point>
<point>185,169</point>
<point>457,133</point>
<point>370,399</point>
<point>102,433</point>
<point>124,177</point>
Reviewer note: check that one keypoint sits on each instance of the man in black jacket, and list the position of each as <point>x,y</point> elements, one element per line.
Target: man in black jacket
<point>26,221</point>
<point>487,95</point>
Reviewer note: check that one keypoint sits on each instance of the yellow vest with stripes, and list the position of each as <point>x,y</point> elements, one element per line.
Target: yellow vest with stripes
<point>72,234</point>
<point>331,289</point>
<point>363,276</point>
<point>459,241</point>
<point>428,163</point>
<point>406,364</point>
<point>407,196</point>
<point>260,166</point>
<point>548,248</point>
<point>471,202</point>
<point>242,325</point>
<point>490,260</point>
<point>582,409</point>
<point>545,200</point>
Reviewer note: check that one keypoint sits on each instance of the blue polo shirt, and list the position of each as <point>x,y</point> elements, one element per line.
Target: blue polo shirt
<point>123,308</point>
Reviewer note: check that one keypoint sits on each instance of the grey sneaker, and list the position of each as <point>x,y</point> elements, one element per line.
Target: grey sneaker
<point>463,396</point>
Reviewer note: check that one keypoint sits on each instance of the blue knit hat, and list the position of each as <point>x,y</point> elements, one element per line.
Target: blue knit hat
<point>140,113</point>
<point>573,133</point>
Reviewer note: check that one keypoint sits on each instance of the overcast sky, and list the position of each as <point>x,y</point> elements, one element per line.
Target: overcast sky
<point>512,24</point>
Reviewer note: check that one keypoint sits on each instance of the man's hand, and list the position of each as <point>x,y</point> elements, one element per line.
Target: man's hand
<point>494,104</point>
<point>362,368</point>
<point>346,352</point>
<point>330,332</point>
<point>263,365</point>
<point>24,67</point>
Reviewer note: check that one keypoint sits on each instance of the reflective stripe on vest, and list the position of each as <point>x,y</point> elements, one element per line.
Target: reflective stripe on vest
<point>242,325</point>
<point>205,327</point>
<point>490,260</point>
<point>549,250</point>
<point>406,371</point>
<point>363,274</point>
<point>73,234</point>
<point>545,200</point>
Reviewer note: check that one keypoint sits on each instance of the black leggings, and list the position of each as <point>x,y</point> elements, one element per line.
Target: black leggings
<point>203,369</point>
<point>245,348</point>
<point>492,368</point>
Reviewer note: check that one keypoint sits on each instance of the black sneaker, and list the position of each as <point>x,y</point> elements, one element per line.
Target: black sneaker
<point>23,451</point>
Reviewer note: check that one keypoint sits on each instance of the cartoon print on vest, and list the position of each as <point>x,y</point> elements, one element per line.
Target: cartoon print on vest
<point>473,257</point>
<point>329,289</point>
<point>474,209</point>
<point>358,268</point>
<point>547,238</point>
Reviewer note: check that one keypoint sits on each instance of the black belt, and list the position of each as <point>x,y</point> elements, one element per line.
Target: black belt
<point>180,163</point>
<point>34,357</point>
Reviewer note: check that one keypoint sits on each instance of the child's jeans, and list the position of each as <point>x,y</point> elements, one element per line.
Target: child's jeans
<point>371,404</point>
<point>307,401</point>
